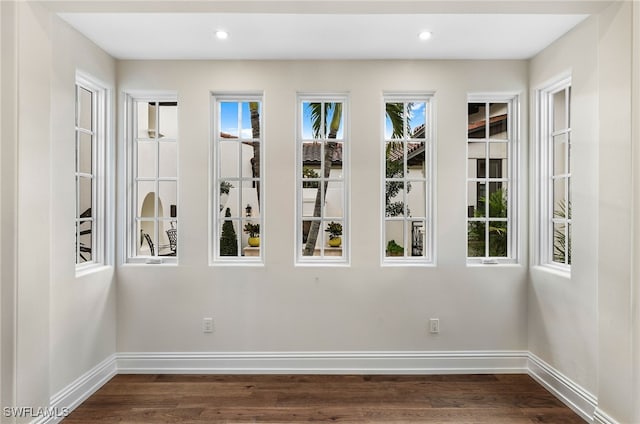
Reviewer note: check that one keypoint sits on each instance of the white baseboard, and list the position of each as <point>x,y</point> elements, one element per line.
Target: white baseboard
<point>461,362</point>
<point>67,399</point>
<point>487,362</point>
<point>599,417</point>
<point>571,394</point>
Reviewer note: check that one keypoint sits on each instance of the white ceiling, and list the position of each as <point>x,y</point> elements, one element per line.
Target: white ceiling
<point>321,36</point>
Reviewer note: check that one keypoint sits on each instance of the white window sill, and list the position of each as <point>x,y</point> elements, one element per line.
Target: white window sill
<point>152,261</point>
<point>83,270</point>
<point>493,262</point>
<point>406,262</point>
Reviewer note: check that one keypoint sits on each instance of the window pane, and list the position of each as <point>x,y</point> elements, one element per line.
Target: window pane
<point>416,199</point>
<point>333,207</point>
<point>311,238</point>
<point>168,120</point>
<point>560,121</point>
<point>229,120</point>
<point>498,119</point>
<point>568,244</point>
<point>394,199</point>
<point>418,236</point>
<point>228,236</point>
<point>332,159</point>
<point>250,120</point>
<point>335,118</point>
<point>394,152</point>
<point>229,159</point>
<point>85,153</point>
<point>559,242</point>
<point>146,120</point>
<point>476,239</point>
<point>310,172</point>
<point>251,157</point>
<point>417,120</point>
<point>497,200</point>
<point>85,197</point>
<point>416,160</point>
<point>146,159</point>
<point>333,237</point>
<point>168,159</point>
<point>476,194</point>
<point>477,164</point>
<point>497,239</point>
<point>165,229</point>
<point>312,124</point>
<point>85,245</point>
<point>146,244</point>
<point>394,238</point>
<point>476,120</point>
<point>146,199</point>
<point>394,121</point>
<point>224,192</point>
<point>498,160</point>
<point>168,196</point>
<point>559,198</point>
<point>85,118</point>
<point>560,149</point>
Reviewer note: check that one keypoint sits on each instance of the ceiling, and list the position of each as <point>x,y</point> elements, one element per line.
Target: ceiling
<point>324,29</point>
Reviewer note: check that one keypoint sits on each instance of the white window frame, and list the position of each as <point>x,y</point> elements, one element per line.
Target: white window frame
<point>215,214</point>
<point>512,179</point>
<point>545,177</point>
<point>98,171</point>
<point>429,243</point>
<point>323,260</point>
<point>132,178</point>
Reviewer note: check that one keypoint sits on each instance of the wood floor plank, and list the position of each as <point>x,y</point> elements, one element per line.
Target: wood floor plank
<point>196,399</point>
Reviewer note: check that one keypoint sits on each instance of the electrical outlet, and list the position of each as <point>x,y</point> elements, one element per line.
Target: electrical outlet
<point>207,325</point>
<point>434,325</point>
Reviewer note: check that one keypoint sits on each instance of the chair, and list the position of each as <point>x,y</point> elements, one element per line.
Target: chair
<point>172,234</point>
<point>146,237</point>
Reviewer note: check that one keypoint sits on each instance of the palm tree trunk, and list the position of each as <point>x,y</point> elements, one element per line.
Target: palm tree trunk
<point>329,150</point>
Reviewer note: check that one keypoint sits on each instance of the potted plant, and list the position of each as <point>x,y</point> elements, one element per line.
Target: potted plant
<point>335,231</point>
<point>394,249</point>
<point>254,233</point>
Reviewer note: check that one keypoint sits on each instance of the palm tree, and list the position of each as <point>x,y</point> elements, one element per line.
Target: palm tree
<point>395,112</point>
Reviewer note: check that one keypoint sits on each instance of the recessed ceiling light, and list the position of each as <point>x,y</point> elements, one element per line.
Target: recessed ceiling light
<point>424,35</point>
<point>222,35</point>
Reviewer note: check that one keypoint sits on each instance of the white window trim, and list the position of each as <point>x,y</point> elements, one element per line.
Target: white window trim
<point>512,180</point>
<point>430,153</point>
<point>99,256</point>
<point>131,175</point>
<point>345,259</point>
<point>544,162</point>
<point>214,178</point>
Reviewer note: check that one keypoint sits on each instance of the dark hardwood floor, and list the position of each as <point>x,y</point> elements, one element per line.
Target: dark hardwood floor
<point>156,399</point>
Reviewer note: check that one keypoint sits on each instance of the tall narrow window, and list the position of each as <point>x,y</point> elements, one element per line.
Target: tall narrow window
<point>555,172</point>
<point>153,231</point>
<point>491,191</point>
<point>89,143</point>
<point>237,202</point>
<point>322,176</point>
<point>408,176</point>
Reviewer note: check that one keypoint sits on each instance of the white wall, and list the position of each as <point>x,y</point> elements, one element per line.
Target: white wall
<point>563,311</point>
<point>615,291</point>
<point>583,325</point>
<point>64,325</point>
<point>82,309</point>
<point>364,307</point>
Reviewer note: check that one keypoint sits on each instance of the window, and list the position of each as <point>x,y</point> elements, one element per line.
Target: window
<point>407,181</point>
<point>555,173</point>
<point>491,170</point>
<point>237,194</point>
<point>153,208</point>
<point>322,176</point>
<point>90,134</point>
